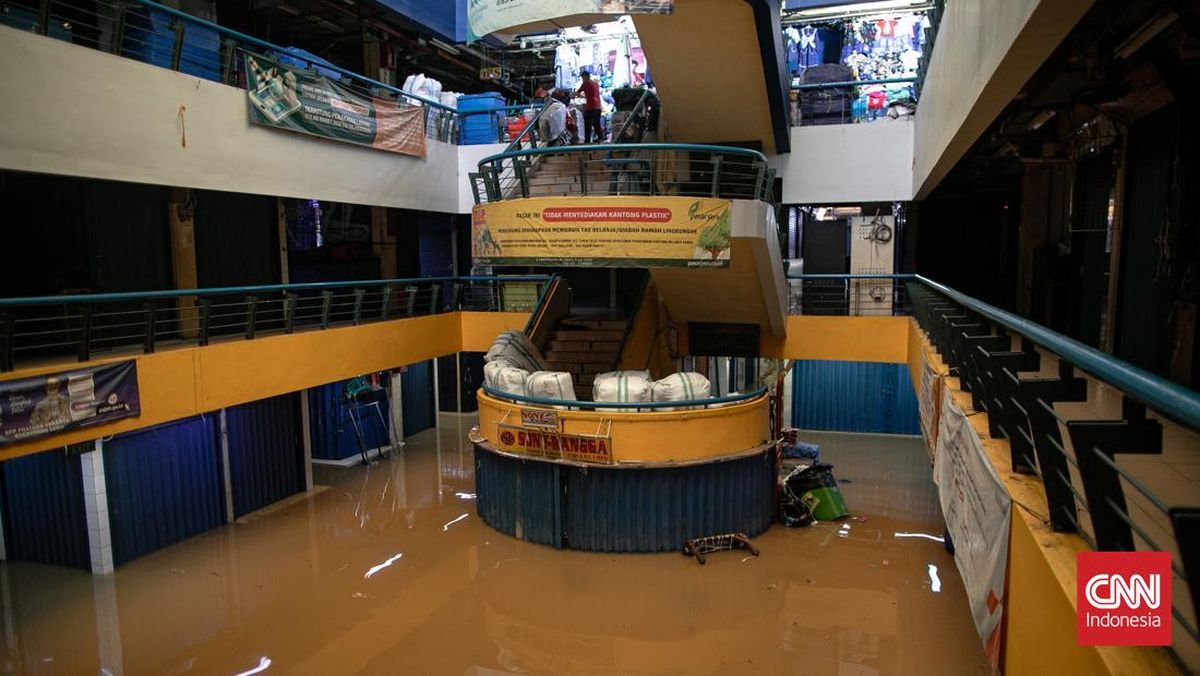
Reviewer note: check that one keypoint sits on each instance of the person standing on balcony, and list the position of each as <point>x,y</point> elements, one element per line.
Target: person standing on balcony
<point>591,108</point>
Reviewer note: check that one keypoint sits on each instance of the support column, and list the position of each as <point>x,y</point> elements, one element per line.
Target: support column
<point>226,477</point>
<point>181,215</point>
<point>397,406</point>
<point>281,211</point>
<point>306,439</point>
<point>383,243</point>
<point>95,503</point>
<point>108,625</point>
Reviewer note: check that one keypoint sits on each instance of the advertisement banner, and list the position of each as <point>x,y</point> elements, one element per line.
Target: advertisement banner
<point>302,101</point>
<point>603,232</point>
<point>554,445</point>
<point>32,408</point>
<point>929,402</point>
<point>489,16</point>
<point>977,510</point>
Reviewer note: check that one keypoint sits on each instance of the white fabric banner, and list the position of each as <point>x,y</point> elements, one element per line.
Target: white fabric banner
<point>929,401</point>
<point>489,16</point>
<point>977,509</point>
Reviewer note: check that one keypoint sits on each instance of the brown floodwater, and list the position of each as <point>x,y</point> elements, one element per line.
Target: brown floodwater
<point>387,569</point>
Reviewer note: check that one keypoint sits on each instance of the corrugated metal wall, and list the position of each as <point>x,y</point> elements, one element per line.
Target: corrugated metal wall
<point>330,426</point>
<point>164,485</point>
<point>265,454</point>
<point>845,396</point>
<point>623,510</point>
<point>44,514</point>
<point>416,394</point>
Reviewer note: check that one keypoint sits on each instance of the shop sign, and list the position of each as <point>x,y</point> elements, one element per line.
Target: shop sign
<point>554,445</point>
<point>536,417</point>
<point>489,16</point>
<point>302,101</point>
<point>603,232</point>
<point>490,73</point>
<point>41,406</point>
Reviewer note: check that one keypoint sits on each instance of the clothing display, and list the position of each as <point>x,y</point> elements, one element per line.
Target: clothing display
<point>881,47</point>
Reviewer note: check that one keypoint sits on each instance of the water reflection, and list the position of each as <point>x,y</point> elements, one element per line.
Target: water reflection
<point>289,582</point>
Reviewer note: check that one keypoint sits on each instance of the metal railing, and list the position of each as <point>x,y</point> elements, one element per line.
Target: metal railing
<point>625,169</point>
<point>842,102</point>
<point>998,358</point>
<point>147,31</point>
<point>41,328</point>
<point>1003,360</point>
<point>848,295</point>
<point>648,406</point>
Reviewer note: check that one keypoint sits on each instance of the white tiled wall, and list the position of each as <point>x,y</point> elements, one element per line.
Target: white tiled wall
<point>95,500</point>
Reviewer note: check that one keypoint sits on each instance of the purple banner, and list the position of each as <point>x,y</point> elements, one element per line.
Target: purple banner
<point>32,408</point>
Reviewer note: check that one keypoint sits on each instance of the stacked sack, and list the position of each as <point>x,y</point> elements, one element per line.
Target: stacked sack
<point>622,387</point>
<point>681,387</point>
<point>515,366</point>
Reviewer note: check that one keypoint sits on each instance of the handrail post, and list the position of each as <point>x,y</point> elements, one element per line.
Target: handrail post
<point>583,184</point>
<point>43,26</point>
<point>151,325</point>
<point>716,179</point>
<point>386,301</point>
<point>205,307</point>
<point>359,295</point>
<point>227,60</point>
<point>6,343</point>
<point>289,312</point>
<point>118,37</point>
<point>760,190</point>
<point>251,316</point>
<point>435,292</point>
<point>326,307</point>
<point>522,175</point>
<point>411,305</point>
<point>456,296</point>
<point>177,45</point>
<point>85,333</point>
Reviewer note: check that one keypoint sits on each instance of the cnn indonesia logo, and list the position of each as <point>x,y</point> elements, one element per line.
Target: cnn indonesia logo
<point>1123,598</point>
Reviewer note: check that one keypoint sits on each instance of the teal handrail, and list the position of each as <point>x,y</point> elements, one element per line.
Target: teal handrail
<point>687,403</point>
<point>690,147</point>
<point>854,83</point>
<point>242,37</point>
<point>260,288</point>
<point>1154,392</point>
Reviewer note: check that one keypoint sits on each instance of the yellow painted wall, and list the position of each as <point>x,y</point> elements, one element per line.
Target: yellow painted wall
<point>658,437</point>
<point>183,382</point>
<point>872,339</point>
<point>916,345</point>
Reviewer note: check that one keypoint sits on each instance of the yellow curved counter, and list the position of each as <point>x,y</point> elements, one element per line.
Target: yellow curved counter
<point>623,438</point>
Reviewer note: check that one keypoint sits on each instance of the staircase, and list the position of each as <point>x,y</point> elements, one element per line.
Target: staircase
<point>584,346</point>
<point>553,175</point>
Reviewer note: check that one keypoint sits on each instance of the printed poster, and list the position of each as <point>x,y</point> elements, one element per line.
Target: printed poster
<point>977,510</point>
<point>489,16</point>
<point>929,402</point>
<point>302,101</point>
<point>603,232</point>
<point>32,408</point>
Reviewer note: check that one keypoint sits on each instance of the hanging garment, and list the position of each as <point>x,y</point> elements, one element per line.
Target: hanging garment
<point>810,47</point>
<point>566,67</point>
<point>792,37</point>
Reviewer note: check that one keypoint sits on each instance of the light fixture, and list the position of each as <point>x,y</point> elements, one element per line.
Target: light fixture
<point>1145,34</point>
<point>1041,118</point>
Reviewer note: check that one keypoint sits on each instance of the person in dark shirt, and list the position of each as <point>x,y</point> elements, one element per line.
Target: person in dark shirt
<point>591,108</point>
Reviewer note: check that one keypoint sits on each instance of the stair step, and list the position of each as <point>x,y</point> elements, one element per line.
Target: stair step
<point>589,336</point>
<point>599,346</point>
<point>595,324</point>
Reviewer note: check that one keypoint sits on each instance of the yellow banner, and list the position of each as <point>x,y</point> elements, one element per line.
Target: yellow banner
<point>555,445</point>
<point>603,232</point>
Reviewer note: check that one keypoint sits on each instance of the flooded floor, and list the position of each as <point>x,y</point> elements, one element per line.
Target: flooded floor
<point>387,569</point>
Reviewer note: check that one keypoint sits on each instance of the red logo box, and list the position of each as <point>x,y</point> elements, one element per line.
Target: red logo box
<point>1123,598</point>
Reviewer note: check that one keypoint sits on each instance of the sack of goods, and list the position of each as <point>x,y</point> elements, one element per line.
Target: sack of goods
<point>550,385</point>
<point>681,387</point>
<point>622,386</point>
<point>515,348</point>
<point>504,377</point>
